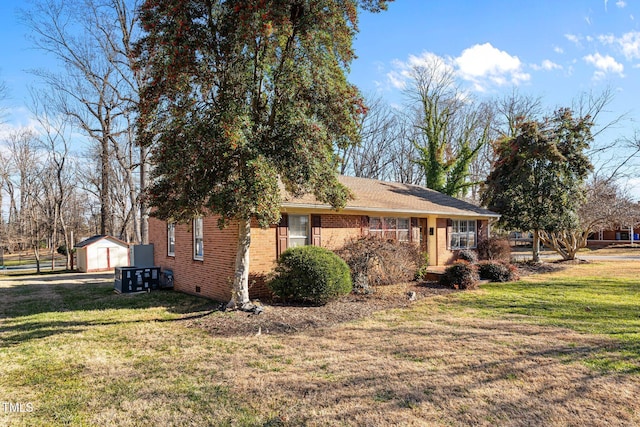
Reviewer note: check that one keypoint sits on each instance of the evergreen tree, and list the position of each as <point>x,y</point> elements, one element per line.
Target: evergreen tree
<point>242,95</point>
<point>537,183</point>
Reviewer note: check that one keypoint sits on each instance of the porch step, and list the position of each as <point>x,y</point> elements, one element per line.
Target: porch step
<point>434,273</point>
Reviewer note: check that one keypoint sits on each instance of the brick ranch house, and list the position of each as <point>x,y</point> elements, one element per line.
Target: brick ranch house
<point>202,257</point>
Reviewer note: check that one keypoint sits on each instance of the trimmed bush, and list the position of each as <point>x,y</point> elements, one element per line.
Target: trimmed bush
<point>468,255</point>
<point>376,261</point>
<point>310,274</point>
<point>496,271</point>
<point>460,275</point>
<point>495,248</point>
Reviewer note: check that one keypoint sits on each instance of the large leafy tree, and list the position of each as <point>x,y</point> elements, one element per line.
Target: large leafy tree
<point>243,95</point>
<point>537,183</point>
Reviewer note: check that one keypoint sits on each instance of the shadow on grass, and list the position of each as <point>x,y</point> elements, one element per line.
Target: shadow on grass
<point>37,307</point>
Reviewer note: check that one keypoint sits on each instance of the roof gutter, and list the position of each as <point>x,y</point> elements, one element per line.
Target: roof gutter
<point>369,209</point>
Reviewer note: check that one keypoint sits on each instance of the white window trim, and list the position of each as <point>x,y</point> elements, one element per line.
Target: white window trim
<point>196,256</point>
<point>307,236</point>
<point>396,230</point>
<point>171,235</point>
<point>475,234</point>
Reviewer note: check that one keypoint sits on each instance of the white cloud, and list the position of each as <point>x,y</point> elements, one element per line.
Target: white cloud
<point>558,49</point>
<point>632,188</point>
<point>403,70</point>
<point>630,44</point>
<point>11,128</point>
<point>621,4</point>
<point>547,65</point>
<point>485,65</point>
<point>606,38</point>
<point>482,65</point>
<point>604,65</point>
<point>573,38</point>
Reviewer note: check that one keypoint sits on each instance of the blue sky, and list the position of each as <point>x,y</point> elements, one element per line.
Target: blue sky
<point>551,49</point>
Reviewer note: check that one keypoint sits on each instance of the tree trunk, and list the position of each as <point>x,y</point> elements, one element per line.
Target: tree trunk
<point>105,203</point>
<point>240,292</point>
<point>144,207</point>
<point>67,243</point>
<point>536,246</point>
<point>36,253</point>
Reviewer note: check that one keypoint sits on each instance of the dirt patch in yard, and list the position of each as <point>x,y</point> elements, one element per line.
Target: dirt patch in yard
<point>528,268</point>
<point>282,319</point>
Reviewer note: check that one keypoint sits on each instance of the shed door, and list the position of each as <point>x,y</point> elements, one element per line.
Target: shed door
<point>103,260</point>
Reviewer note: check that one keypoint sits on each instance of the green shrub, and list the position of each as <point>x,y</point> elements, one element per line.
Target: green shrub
<point>460,275</point>
<point>496,271</point>
<point>495,248</point>
<point>310,274</point>
<point>468,255</point>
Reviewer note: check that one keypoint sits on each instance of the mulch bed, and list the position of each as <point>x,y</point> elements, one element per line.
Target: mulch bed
<point>278,318</point>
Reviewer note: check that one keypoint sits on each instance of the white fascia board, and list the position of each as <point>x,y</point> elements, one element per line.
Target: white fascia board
<point>391,210</point>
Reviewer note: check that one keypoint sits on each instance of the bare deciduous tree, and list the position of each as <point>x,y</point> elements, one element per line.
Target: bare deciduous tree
<point>98,88</point>
<point>605,207</point>
<point>57,178</point>
<point>379,132</point>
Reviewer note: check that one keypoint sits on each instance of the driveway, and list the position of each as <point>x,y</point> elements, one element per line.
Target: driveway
<point>56,279</point>
<point>520,256</point>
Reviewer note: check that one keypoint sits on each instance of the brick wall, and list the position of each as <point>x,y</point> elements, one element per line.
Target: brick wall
<point>262,258</point>
<point>214,274</point>
<point>337,229</point>
<point>212,277</point>
<point>483,230</point>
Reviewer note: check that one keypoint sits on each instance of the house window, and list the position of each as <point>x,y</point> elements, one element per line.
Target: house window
<point>198,238</point>
<point>298,230</point>
<point>463,234</point>
<point>390,228</point>
<point>171,239</point>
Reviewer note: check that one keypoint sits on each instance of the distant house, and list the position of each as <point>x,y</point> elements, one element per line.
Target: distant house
<point>202,257</point>
<point>618,235</point>
<point>100,253</point>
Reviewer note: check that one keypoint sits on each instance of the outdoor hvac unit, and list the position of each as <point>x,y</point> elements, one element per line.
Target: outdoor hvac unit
<point>166,279</point>
<point>136,279</point>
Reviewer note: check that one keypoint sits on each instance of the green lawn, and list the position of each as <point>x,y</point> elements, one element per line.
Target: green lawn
<point>557,349</point>
<point>599,298</point>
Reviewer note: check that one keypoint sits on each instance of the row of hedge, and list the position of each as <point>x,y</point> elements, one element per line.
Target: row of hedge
<point>315,275</point>
<point>463,274</point>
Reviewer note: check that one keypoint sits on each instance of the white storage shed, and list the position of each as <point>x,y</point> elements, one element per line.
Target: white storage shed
<point>100,253</point>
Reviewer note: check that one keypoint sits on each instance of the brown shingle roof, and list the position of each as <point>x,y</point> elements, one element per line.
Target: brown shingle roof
<point>380,196</point>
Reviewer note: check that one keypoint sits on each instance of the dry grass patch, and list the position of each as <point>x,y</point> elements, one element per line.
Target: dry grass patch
<point>616,250</point>
<point>88,357</point>
<point>426,367</point>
